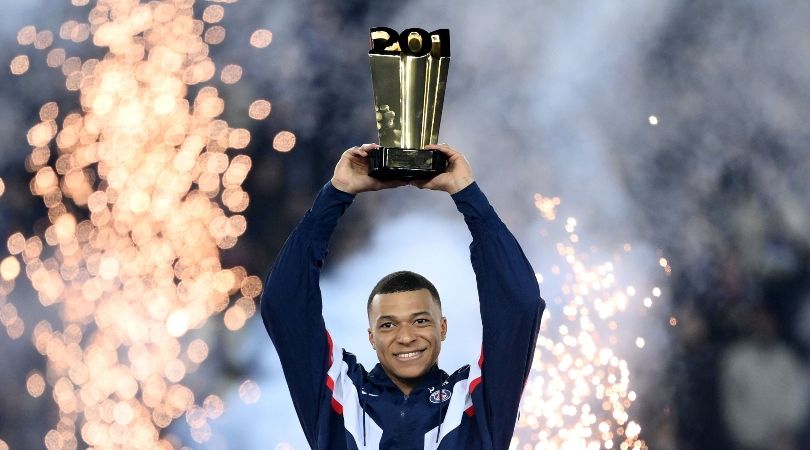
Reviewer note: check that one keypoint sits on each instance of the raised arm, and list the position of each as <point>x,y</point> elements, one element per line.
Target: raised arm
<point>509,299</point>
<point>291,302</point>
<point>291,306</point>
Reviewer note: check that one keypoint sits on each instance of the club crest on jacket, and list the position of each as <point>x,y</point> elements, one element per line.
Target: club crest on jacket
<point>441,395</point>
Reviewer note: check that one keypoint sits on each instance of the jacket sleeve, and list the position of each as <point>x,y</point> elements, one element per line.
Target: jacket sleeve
<point>511,308</point>
<point>292,310</point>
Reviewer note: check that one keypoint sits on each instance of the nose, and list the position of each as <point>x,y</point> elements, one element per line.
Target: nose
<point>405,335</point>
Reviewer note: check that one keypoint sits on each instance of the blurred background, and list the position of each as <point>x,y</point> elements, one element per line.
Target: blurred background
<point>665,144</point>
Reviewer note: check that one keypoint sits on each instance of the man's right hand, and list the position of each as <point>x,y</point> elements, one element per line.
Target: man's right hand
<point>351,172</point>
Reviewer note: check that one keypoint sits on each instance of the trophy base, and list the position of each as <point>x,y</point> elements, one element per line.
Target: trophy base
<point>392,163</point>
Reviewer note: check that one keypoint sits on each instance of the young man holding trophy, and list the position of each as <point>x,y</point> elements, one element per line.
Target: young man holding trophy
<point>405,401</point>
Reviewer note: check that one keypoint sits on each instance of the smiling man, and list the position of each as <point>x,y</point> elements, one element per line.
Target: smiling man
<point>406,327</point>
<point>405,402</point>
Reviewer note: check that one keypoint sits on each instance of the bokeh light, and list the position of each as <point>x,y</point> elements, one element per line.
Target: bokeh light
<point>249,392</point>
<point>213,13</point>
<point>19,65</point>
<point>35,384</point>
<point>259,109</point>
<point>43,39</point>
<point>215,35</point>
<point>284,141</point>
<point>261,38</point>
<point>26,35</point>
<point>9,268</point>
<point>143,191</point>
<point>231,74</point>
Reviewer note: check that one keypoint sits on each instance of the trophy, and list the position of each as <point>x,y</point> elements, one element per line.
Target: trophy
<point>409,76</point>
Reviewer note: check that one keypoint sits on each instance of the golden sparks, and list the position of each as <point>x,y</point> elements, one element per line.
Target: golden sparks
<point>579,394</point>
<point>249,392</point>
<point>284,141</point>
<point>231,74</point>
<point>214,406</point>
<point>48,111</point>
<point>35,384</point>
<point>2,187</point>
<point>213,13</point>
<point>8,313</point>
<point>259,109</point>
<point>19,65</point>
<point>547,206</point>
<point>15,243</point>
<point>43,39</point>
<point>9,268</point>
<point>153,173</point>
<point>215,35</point>
<point>74,31</point>
<point>27,35</point>
<point>261,38</point>
<point>197,351</point>
<point>55,58</point>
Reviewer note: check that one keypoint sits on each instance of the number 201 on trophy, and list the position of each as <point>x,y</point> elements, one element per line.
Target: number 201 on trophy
<point>410,42</point>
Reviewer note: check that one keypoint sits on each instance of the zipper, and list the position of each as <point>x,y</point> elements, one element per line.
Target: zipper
<point>402,411</point>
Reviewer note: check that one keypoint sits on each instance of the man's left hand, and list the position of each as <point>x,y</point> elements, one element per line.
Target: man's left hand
<point>457,176</point>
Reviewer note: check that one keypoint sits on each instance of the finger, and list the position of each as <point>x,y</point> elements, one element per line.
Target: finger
<point>366,148</point>
<point>356,151</point>
<point>444,148</point>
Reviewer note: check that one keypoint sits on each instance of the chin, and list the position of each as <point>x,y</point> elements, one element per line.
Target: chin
<point>411,373</point>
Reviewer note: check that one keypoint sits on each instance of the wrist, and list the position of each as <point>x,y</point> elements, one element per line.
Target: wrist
<point>458,184</point>
<point>342,186</point>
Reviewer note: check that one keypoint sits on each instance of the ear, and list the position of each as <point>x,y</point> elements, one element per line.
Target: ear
<point>444,328</point>
<point>371,339</point>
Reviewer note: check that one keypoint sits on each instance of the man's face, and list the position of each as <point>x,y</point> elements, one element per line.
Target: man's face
<point>406,329</point>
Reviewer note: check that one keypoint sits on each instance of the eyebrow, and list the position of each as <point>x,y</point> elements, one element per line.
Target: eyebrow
<point>394,319</point>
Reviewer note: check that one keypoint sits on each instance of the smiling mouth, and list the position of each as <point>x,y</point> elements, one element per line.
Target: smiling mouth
<point>408,356</point>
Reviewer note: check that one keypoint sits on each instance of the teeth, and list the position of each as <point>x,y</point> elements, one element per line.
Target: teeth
<point>409,355</point>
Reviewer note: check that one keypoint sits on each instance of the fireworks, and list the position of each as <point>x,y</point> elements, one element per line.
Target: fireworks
<point>578,394</point>
<point>143,192</point>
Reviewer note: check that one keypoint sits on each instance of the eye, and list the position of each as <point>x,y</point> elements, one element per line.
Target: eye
<point>422,321</point>
<point>387,325</point>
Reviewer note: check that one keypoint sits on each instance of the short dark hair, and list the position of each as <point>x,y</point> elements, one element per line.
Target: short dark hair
<point>403,281</point>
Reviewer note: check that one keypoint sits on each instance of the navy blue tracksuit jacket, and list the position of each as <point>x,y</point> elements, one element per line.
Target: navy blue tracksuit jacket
<point>342,406</point>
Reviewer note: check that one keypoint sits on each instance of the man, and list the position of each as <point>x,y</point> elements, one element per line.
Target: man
<point>406,401</point>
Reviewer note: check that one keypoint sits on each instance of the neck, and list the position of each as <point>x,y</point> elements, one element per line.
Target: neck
<point>404,385</point>
<point>405,388</point>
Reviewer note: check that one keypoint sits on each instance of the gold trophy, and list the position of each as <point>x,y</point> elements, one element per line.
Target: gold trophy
<point>409,76</point>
